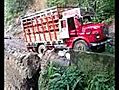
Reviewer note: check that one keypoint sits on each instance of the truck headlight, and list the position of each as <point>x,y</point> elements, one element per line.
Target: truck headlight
<point>97,36</point>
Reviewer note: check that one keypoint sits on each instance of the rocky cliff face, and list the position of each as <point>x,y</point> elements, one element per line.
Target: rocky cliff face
<point>21,72</point>
<point>22,68</point>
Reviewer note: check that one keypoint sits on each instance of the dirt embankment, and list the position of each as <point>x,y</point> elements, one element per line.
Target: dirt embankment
<point>22,68</point>
<point>20,71</point>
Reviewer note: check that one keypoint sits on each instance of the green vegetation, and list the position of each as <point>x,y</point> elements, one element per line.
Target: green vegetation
<point>104,9</point>
<point>51,3</point>
<point>101,82</point>
<point>62,78</point>
<point>56,77</point>
<point>14,8</point>
<point>109,49</point>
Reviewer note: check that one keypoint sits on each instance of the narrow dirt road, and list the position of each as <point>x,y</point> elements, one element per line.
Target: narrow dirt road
<point>14,44</point>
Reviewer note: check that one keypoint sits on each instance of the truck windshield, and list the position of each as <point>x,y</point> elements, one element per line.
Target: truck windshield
<point>86,19</point>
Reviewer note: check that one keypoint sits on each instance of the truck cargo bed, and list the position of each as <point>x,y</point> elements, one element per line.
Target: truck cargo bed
<point>42,26</point>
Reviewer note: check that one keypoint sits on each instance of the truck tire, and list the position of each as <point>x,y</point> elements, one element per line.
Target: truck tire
<point>80,45</point>
<point>40,49</point>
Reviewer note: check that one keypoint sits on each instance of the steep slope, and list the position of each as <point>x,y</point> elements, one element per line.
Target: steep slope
<point>39,4</point>
<point>14,28</point>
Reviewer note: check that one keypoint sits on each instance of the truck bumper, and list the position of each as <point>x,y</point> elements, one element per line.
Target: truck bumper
<point>102,42</point>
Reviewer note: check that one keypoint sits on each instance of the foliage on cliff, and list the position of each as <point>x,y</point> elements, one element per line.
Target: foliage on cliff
<point>104,9</point>
<point>14,8</point>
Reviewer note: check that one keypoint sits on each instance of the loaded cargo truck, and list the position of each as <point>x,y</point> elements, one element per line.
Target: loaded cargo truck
<point>58,27</point>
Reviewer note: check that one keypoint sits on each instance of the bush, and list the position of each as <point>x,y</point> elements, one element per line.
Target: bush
<point>103,9</point>
<point>62,78</point>
<point>101,82</point>
<point>109,48</point>
<point>56,77</point>
<point>89,71</point>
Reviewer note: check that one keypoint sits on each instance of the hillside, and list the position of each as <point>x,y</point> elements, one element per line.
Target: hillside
<point>30,71</point>
<point>12,18</point>
<point>104,10</point>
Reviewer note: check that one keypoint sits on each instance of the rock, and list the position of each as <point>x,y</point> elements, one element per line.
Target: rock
<point>51,55</point>
<point>19,71</point>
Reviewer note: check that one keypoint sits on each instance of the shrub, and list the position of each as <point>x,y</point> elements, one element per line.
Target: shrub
<point>62,78</point>
<point>101,82</point>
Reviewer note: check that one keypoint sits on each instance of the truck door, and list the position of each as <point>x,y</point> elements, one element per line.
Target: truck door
<point>71,27</point>
<point>63,29</point>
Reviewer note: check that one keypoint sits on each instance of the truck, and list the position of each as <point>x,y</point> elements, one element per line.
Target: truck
<point>62,27</point>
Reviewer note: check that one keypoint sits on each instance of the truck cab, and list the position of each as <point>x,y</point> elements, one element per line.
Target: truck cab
<point>82,36</point>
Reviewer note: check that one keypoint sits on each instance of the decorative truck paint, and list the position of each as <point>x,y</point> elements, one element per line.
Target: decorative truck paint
<point>61,25</point>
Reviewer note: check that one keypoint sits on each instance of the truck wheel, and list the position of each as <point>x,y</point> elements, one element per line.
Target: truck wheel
<point>80,45</point>
<point>40,49</point>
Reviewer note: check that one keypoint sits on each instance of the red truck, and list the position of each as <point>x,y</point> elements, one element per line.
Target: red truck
<point>62,28</point>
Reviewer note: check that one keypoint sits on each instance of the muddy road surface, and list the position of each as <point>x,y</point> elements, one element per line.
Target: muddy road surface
<point>14,44</point>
